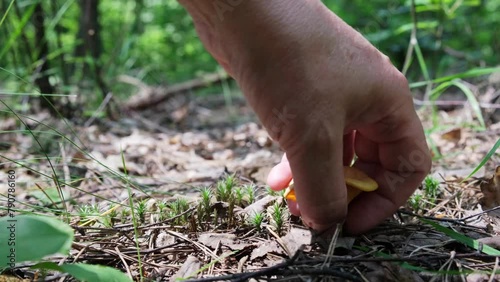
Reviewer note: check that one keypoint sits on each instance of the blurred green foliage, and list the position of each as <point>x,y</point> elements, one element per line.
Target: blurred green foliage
<point>155,40</point>
<point>453,35</point>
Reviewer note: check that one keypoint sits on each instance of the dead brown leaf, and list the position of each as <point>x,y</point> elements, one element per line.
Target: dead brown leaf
<point>453,135</point>
<point>5,278</point>
<point>493,241</point>
<point>212,240</point>
<point>266,248</point>
<point>387,271</point>
<point>188,269</point>
<point>296,238</point>
<point>491,191</point>
<point>259,206</point>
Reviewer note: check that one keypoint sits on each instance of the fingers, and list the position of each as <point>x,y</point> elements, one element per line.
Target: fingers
<point>316,163</point>
<point>280,176</point>
<point>394,152</point>
<point>348,148</point>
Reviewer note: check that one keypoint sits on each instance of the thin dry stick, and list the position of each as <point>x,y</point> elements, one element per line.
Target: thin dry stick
<point>202,247</point>
<point>494,271</point>
<point>125,264</point>
<point>280,241</point>
<point>80,252</point>
<point>361,275</point>
<point>331,247</point>
<point>64,161</point>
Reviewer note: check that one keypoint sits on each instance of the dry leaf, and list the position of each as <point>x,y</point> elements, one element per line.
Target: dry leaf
<point>493,242</point>
<point>296,238</point>
<point>212,240</point>
<point>5,278</point>
<point>188,269</point>
<point>491,191</point>
<point>164,239</point>
<point>265,248</point>
<point>259,206</point>
<point>481,277</point>
<point>387,271</point>
<point>453,135</point>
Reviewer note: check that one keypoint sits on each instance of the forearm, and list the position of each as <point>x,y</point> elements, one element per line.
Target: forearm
<point>237,31</point>
<point>259,39</point>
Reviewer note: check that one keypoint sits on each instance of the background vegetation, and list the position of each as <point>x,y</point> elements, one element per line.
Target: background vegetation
<point>82,47</point>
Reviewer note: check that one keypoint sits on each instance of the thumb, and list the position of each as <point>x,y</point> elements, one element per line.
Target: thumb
<point>317,167</point>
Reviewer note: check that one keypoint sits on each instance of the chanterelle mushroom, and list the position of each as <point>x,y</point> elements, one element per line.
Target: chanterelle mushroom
<point>356,182</point>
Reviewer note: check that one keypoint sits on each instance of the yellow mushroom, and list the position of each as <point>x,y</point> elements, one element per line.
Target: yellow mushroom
<point>356,182</point>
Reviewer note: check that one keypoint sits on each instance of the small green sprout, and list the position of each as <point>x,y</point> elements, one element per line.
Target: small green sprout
<point>162,207</point>
<point>256,221</point>
<point>431,186</point>
<point>178,207</point>
<point>239,194</point>
<point>278,217</point>
<point>86,211</point>
<point>271,191</point>
<point>250,190</point>
<point>206,197</point>
<point>124,215</point>
<point>204,207</point>
<point>111,218</point>
<point>415,202</point>
<point>224,190</point>
<point>141,209</point>
<point>220,192</point>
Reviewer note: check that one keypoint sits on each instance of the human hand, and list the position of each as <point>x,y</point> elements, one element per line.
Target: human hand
<point>324,93</point>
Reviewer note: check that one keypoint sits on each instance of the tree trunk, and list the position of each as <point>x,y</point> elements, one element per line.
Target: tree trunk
<point>41,76</point>
<point>90,42</point>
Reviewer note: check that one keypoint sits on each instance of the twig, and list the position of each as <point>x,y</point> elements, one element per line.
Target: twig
<point>494,271</point>
<point>247,275</point>
<point>125,264</point>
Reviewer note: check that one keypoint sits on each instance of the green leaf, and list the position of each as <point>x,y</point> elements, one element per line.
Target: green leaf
<point>6,12</point>
<point>472,100</point>
<point>485,159</point>
<point>30,238</point>
<point>470,73</point>
<point>49,195</point>
<point>87,272</point>
<point>17,32</point>
<point>462,238</point>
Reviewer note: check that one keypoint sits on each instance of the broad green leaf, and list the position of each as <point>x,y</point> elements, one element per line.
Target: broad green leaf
<point>87,272</point>
<point>49,195</point>
<point>30,238</point>
<point>462,238</point>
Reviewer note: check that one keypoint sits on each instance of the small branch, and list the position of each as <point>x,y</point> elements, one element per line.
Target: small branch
<point>155,95</point>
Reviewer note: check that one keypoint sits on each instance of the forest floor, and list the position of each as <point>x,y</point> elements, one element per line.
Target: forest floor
<point>243,231</point>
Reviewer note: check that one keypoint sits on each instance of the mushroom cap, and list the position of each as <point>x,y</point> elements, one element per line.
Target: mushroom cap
<point>358,179</point>
<point>356,182</point>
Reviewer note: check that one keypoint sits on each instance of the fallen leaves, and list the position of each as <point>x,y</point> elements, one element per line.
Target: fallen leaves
<point>491,191</point>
